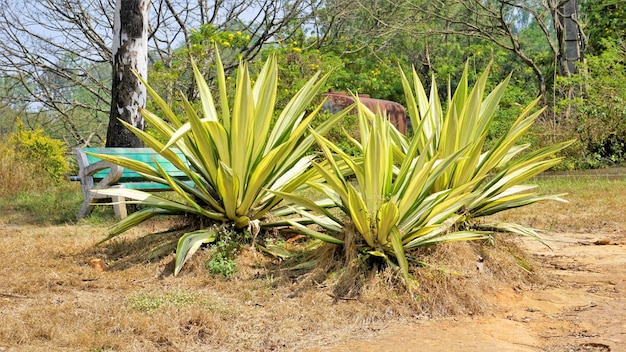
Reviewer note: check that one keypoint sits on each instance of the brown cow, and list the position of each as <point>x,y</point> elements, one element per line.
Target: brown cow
<point>337,101</point>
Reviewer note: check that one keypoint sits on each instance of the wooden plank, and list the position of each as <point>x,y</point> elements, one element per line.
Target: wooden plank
<point>95,173</point>
<point>150,186</point>
<point>146,155</point>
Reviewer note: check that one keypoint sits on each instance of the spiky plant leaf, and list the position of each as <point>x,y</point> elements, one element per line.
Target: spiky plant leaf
<point>315,234</point>
<point>473,115</point>
<point>189,243</point>
<point>240,160</point>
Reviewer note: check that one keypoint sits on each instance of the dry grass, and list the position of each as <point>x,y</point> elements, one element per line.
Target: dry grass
<point>595,204</point>
<point>52,299</point>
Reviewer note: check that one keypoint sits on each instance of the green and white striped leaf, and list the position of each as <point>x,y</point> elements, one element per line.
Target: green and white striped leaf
<point>189,243</point>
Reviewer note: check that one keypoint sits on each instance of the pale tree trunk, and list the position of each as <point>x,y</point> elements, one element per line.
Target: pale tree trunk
<point>130,53</point>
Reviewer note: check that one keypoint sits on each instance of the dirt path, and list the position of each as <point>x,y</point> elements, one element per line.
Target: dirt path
<point>583,308</point>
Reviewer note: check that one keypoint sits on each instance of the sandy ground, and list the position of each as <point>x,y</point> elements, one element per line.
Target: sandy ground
<point>583,308</point>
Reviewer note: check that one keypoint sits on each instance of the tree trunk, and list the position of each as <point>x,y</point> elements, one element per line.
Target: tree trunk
<point>568,34</point>
<point>130,53</point>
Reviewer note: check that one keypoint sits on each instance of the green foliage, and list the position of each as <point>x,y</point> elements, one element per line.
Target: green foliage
<point>354,72</point>
<point>408,193</point>
<point>221,264</point>
<point>237,157</point>
<point>208,37</point>
<point>371,75</point>
<point>223,254</point>
<point>597,116</point>
<point>606,21</point>
<point>44,153</point>
<point>348,126</point>
<point>175,75</point>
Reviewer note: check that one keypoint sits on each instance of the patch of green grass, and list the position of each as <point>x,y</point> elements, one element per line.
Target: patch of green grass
<point>148,302</point>
<point>585,185</point>
<point>56,205</point>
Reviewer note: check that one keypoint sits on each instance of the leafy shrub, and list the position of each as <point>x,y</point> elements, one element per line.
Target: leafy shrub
<point>30,161</point>
<point>223,254</point>
<point>594,113</point>
<point>44,153</point>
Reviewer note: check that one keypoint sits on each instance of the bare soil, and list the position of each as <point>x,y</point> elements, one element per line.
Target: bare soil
<point>60,292</point>
<point>583,308</point>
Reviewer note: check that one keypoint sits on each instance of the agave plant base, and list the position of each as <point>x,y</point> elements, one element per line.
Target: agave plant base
<point>450,279</point>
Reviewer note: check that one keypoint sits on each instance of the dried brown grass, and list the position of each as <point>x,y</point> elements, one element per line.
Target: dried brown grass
<point>52,299</point>
<point>595,204</point>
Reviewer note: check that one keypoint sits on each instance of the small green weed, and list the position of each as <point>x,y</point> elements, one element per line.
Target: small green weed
<point>223,254</point>
<point>221,265</point>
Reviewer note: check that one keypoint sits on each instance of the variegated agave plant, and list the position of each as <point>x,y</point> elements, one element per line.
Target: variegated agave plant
<point>237,157</point>
<point>496,175</point>
<point>391,205</point>
<point>428,189</point>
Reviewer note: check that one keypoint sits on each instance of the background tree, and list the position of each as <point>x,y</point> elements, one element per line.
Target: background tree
<point>605,22</point>
<point>569,36</point>
<point>68,42</point>
<point>596,114</point>
<point>55,51</point>
<point>130,54</point>
<point>499,22</point>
